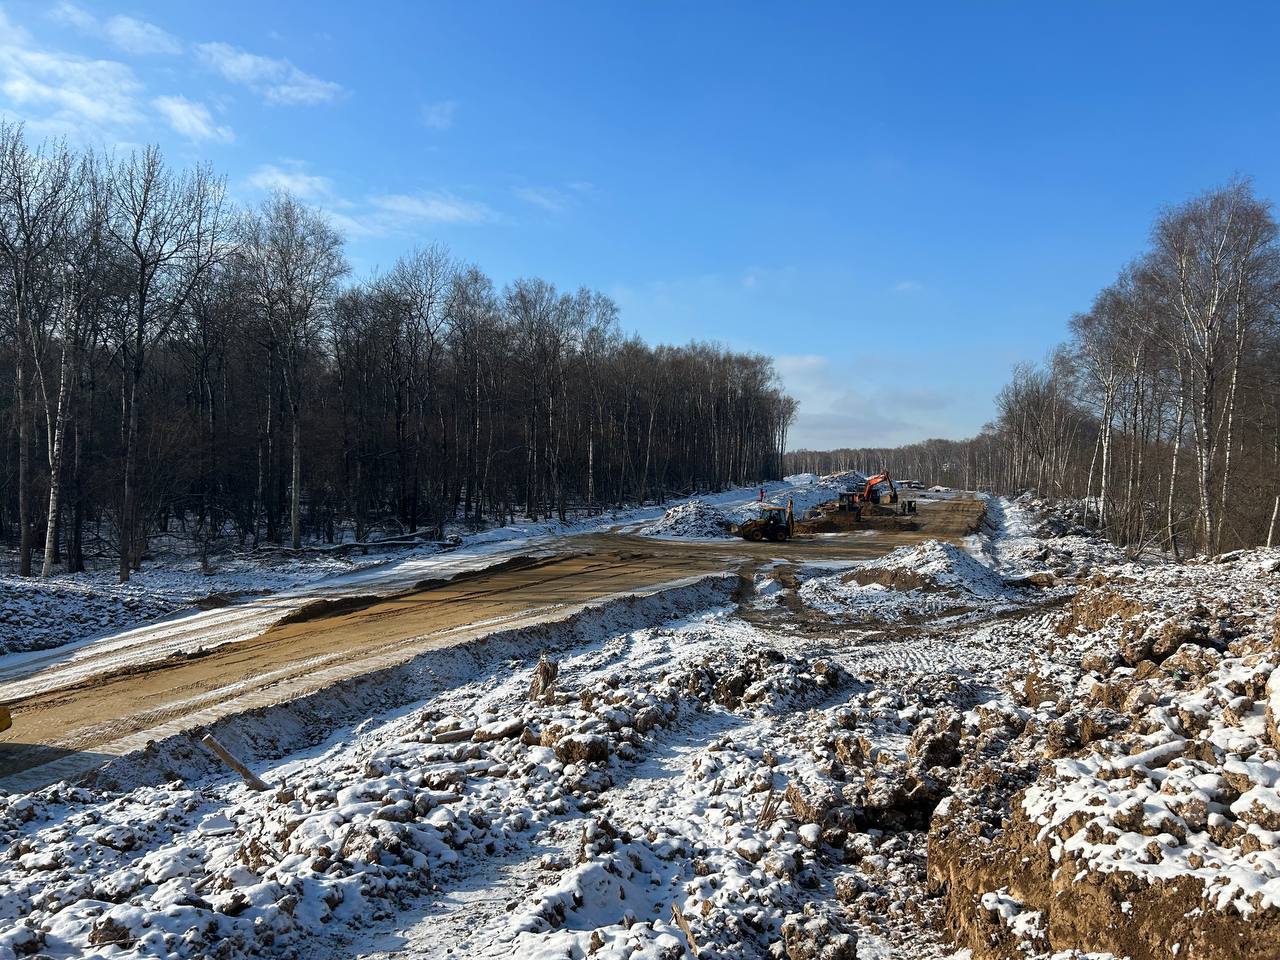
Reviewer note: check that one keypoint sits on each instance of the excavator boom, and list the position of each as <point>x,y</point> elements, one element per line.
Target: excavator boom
<point>877,479</point>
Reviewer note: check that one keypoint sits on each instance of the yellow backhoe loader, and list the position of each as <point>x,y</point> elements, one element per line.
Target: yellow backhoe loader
<point>774,523</point>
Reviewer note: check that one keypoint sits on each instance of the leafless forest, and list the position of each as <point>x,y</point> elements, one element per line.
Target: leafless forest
<point>1161,414</point>
<point>172,363</point>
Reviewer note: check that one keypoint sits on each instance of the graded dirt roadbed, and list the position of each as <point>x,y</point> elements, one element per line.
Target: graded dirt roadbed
<point>67,720</point>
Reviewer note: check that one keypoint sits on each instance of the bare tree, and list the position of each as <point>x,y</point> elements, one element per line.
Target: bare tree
<point>296,259</point>
<point>171,229</point>
<point>1207,256</point>
<point>165,344</point>
<point>37,198</point>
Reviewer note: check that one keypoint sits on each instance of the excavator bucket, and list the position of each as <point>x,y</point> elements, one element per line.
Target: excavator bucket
<point>6,721</point>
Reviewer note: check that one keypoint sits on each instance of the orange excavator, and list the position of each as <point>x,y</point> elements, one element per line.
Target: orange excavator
<point>873,482</point>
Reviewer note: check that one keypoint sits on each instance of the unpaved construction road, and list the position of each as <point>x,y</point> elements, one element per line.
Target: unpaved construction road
<point>70,716</point>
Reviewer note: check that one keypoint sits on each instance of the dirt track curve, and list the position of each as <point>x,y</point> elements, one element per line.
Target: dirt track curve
<point>66,721</point>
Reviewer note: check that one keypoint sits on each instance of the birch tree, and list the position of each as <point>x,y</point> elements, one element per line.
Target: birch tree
<point>37,200</point>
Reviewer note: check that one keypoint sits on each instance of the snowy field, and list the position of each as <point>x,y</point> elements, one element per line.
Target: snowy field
<point>1027,745</point>
<point>71,609</point>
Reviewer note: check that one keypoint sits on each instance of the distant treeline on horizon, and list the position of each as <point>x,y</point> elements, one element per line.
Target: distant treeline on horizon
<point>1161,414</point>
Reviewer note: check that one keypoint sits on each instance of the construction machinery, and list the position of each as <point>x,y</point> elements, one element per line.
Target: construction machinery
<point>847,501</point>
<point>774,523</point>
<point>868,491</point>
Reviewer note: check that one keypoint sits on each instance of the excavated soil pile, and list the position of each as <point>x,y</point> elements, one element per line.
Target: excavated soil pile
<point>932,566</point>
<point>1129,803</point>
<point>696,519</point>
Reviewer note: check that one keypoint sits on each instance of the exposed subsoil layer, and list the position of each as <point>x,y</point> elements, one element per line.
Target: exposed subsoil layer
<point>61,714</point>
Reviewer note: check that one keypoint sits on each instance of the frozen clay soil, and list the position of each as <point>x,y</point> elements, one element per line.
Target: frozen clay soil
<point>802,765</point>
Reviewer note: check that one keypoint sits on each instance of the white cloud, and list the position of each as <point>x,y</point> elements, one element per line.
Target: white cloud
<point>439,116</point>
<point>61,92</point>
<point>373,216</point>
<point>129,34</point>
<point>906,286</point>
<point>801,364</point>
<point>548,198</point>
<point>843,404</point>
<point>275,80</point>
<point>306,186</point>
<point>139,37</point>
<point>74,16</point>
<point>353,226</point>
<point>192,119</point>
<point>435,207</point>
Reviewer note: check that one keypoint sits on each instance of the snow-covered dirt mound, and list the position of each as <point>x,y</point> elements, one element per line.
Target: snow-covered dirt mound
<point>804,492</point>
<point>1068,557</point>
<point>933,565</point>
<point>1032,540</point>
<point>693,520</point>
<point>1137,790</point>
<point>489,770</point>
<point>930,579</point>
<point>703,519</point>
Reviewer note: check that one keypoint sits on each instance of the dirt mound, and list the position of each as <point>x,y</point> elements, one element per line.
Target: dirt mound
<point>1131,808</point>
<point>1070,556</point>
<point>694,520</point>
<point>928,581</point>
<point>932,566</point>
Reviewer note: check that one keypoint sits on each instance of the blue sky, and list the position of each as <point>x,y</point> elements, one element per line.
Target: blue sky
<point>898,206</point>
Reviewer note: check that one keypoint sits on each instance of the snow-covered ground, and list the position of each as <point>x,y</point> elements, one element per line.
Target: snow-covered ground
<point>39,614</point>
<point>705,518</point>
<point>69,610</point>
<point>777,775</point>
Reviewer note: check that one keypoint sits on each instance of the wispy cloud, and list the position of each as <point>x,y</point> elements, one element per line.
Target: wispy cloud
<point>906,286</point>
<point>548,198</point>
<point>439,115</point>
<point>378,215</point>
<point>775,279</point>
<point>842,406</point>
<point>192,120</point>
<point>60,92</point>
<point>140,37</point>
<point>134,36</point>
<point>295,180</point>
<point>275,80</point>
<point>557,199</point>
<point>437,206</point>
<point>73,16</point>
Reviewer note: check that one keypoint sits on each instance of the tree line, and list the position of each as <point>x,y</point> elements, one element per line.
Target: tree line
<point>172,364</point>
<point>1161,413</point>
